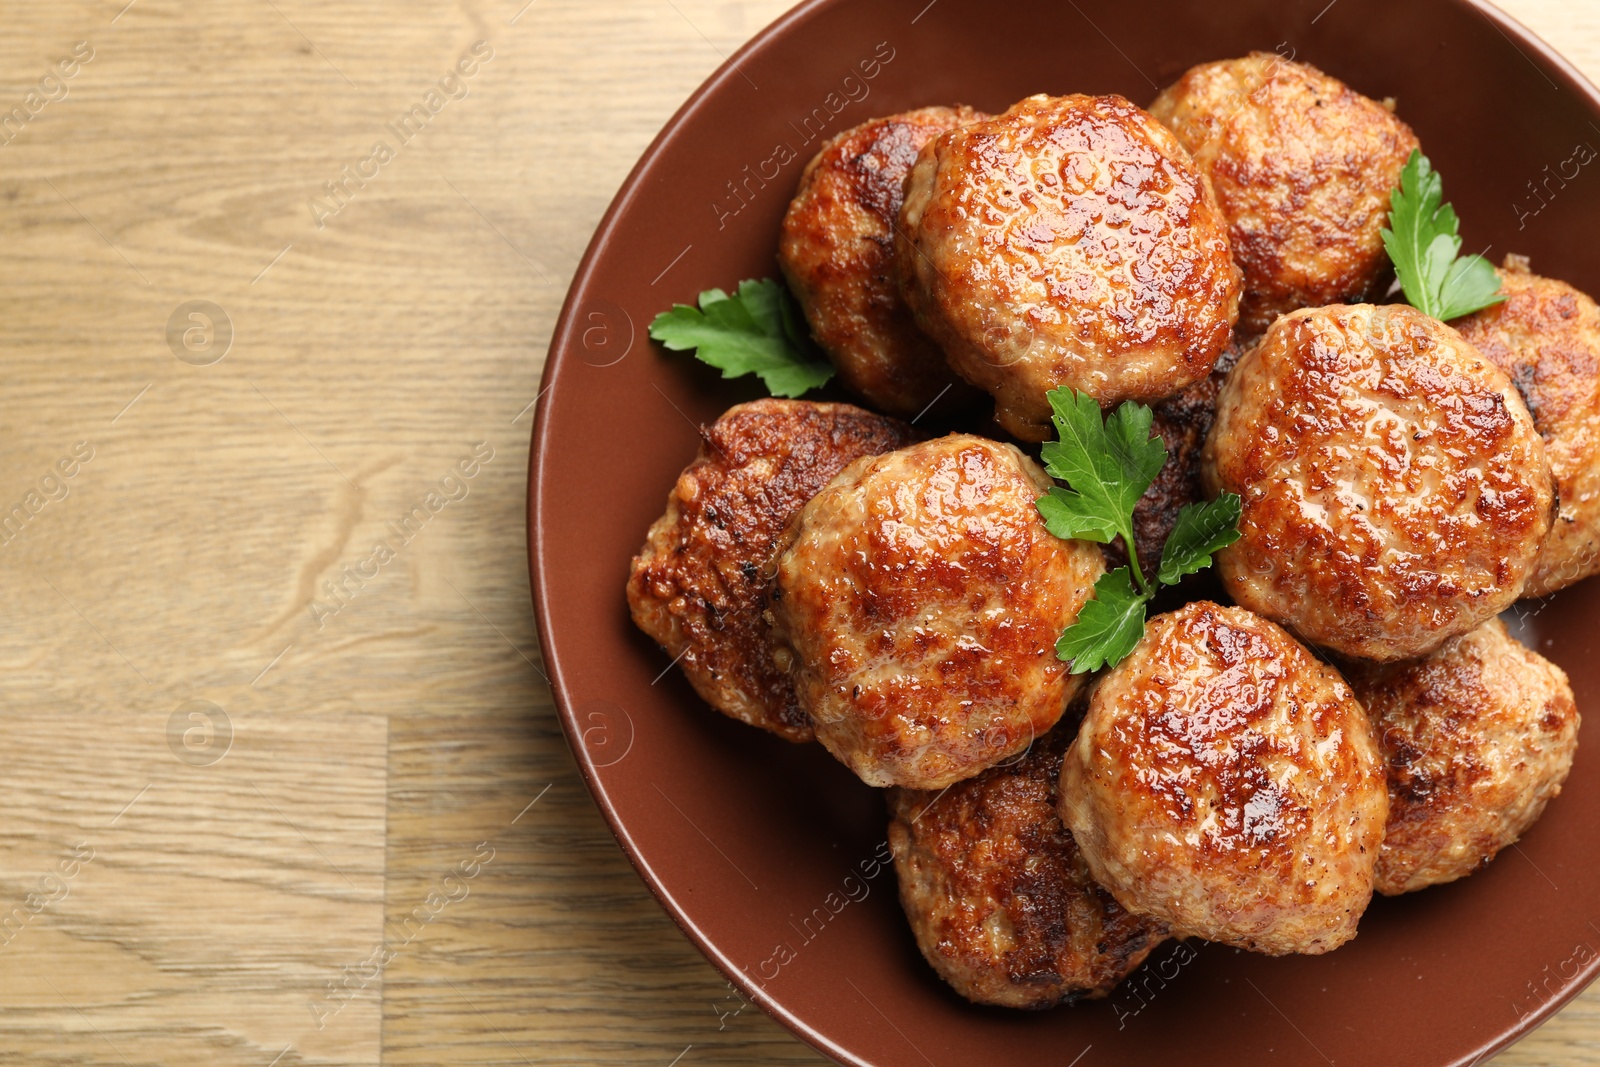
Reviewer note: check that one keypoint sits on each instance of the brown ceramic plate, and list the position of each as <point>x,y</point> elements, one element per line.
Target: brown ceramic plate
<point>768,854</point>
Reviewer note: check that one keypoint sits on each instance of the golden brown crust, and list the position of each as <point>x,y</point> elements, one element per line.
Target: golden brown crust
<point>1303,167</point>
<point>1395,490</point>
<point>1071,241</point>
<point>1546,336</point>
<point>700,583</point>
<point>1478,737</point>
<point>1000,901</point>
<point>837,251</point>
<point>1226,783</point>
<point>919,600</point>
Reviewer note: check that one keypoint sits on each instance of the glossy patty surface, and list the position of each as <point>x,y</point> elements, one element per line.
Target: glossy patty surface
<point>699,584</point>
<point>1546,336</point>
<point>999,898</point>
<point>1070,241</point>
<point>1302,166</point>
<point>837,251</point>
<point>918,602</point>
<point>1477,736</point>
<point>1226,783</point>
<point>1395,490</point>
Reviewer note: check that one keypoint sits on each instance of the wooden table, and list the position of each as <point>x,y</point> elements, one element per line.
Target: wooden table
<point>271,794</point>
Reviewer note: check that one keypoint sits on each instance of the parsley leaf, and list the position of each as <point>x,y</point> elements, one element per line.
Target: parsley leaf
<point>1201,531</point>
<point>1108,462</point>
<point>1107,627</point>
<point>1423,239</point>
<point>1071,515</point>
<point>757,330</point>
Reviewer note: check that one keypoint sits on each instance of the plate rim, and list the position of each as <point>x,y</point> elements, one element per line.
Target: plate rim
<point>1544,57</point>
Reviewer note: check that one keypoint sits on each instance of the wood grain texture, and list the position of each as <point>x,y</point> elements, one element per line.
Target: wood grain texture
<point>396,787</point>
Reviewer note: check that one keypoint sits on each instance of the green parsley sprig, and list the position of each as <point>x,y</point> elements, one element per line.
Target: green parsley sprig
<point>1424,241</point>
<point>1107,464</point>
<point>757,330</point>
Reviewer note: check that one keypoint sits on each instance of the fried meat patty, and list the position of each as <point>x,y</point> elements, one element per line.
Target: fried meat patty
<point>999,898</point>
<point>1068,242</point>
<point>837,251</point>
<point>1546,336</point>
<point>1226,783</point>
<point>699,584</point>
<point>1395,490</point>
<point>918,602</point>
<point>1477,736</point>
<point>1303,167</point>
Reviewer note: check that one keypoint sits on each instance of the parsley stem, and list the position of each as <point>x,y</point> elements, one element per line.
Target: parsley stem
<point>1133,562</point>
